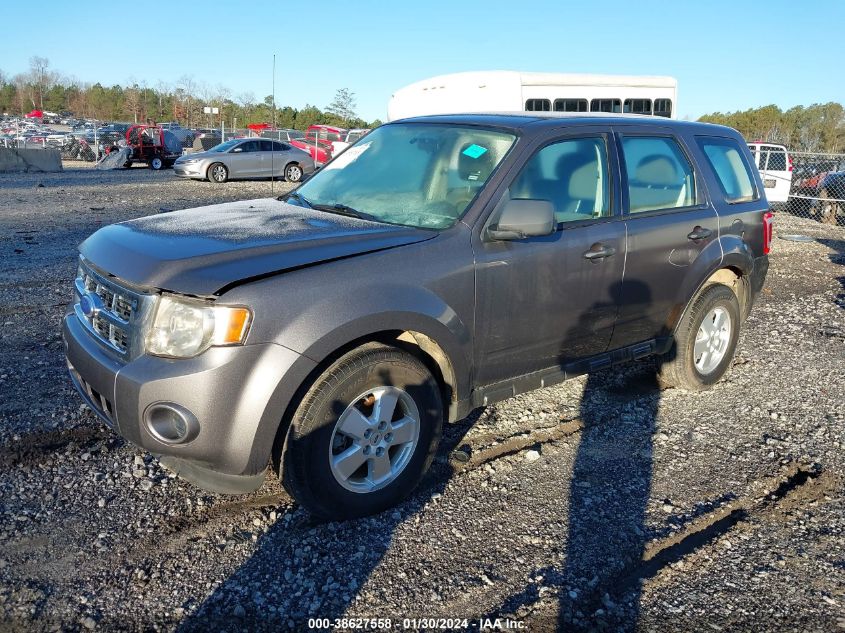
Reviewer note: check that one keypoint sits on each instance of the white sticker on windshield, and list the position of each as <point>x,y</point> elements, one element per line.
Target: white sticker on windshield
<point>347,157</point>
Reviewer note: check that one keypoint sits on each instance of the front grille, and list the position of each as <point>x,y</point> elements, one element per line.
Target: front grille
<point>115,309</point>
<point>101,405</point>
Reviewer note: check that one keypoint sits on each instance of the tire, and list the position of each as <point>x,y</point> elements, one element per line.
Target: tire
<point>156,163</point>
<point>293,172</point>
<point>339,416</point>
<point>828,209</point>
<point>218,173</point>
<point>686,367</point>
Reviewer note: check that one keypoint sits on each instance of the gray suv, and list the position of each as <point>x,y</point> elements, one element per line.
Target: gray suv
<point>440,264</point>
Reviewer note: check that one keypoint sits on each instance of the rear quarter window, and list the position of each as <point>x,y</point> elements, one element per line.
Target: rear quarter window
<point>777,160</point>
<point>732,170</point>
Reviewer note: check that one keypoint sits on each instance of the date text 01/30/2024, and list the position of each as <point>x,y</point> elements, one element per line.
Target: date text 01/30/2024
<point>415,624</point>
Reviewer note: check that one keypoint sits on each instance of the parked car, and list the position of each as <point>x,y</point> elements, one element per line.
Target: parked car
<point>113,128</point>
<point>831,208</point>
<point>325,134</point>
<point>319,152</point>
<point>439,267</point>
<point>318,141</point>
<point>283,134</point>
<point>246,158</point>
<point>348,139</point>
<point>775,167</point>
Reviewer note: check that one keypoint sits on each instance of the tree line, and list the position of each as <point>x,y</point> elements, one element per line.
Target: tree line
<point>42,88</point>
<point>816,128</point>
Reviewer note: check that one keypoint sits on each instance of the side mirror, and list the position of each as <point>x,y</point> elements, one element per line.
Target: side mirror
<point>523,218</point>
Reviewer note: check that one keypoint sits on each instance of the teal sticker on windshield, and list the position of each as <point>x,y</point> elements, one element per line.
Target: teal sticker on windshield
<point>475,151</point>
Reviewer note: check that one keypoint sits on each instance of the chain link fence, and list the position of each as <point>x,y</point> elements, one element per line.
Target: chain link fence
<point>817,188</point>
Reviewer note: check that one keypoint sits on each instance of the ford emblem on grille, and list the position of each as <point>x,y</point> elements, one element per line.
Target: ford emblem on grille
<point>90,304</point>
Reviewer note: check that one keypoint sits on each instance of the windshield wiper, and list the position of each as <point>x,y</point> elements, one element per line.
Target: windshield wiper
<point>343,209</point>
<point>287,196</point>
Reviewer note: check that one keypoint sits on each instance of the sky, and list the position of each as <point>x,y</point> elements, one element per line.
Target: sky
<point>726,55</point>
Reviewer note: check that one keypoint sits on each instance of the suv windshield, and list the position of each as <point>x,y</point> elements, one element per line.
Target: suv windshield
<point>413,174</point>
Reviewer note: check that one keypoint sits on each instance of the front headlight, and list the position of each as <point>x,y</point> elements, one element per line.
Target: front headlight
<point>182,329</point>
<point>187,161</point>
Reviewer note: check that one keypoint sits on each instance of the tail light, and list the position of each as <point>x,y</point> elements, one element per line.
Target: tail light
<point>789,158</point>
<point>768,221</point>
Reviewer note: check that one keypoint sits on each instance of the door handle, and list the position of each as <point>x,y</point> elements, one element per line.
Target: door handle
<point>599,251</point>
<point>699,233</point>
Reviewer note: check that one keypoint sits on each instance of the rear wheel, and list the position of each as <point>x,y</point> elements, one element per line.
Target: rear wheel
<point>156,163</point>
<point>705,341</point>
<point>293,172</point>
<point>827,208</point>
<point>218,173</point>
<point>364,434</point>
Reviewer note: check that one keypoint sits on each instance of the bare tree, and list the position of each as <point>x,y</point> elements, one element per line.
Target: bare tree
<point>188,87</point>
<point>40,75</point>
<point>132,99</point>
<point>343,105</point>
<point>246,99</point>
<point>163,89</point>
<point>23,92</point>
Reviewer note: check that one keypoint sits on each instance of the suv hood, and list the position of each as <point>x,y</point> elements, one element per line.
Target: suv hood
<point>201,251</point>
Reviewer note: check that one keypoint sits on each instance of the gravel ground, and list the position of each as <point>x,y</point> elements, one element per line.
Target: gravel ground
<point>600,504</point>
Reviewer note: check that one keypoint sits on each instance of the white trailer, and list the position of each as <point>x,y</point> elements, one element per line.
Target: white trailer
<point>514,91</point>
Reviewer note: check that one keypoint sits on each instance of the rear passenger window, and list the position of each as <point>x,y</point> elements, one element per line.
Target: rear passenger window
<point>571,105</point>
<point>659,174</point>
<point>777,160</point>
<point>663,107</point>
<point>638,106</point>
<point>605,105</point>
<point>538,105</point>
<point>733,173</point>
<point>570,174</point>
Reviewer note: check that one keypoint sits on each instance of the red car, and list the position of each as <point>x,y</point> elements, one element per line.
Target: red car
<point>318,141</point>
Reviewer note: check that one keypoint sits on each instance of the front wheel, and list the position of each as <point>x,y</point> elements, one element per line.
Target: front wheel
<point>705,341</point>
<point>293,172</point>
<point>218,173</point>
<point>156,163</point>
<point>363,435</point>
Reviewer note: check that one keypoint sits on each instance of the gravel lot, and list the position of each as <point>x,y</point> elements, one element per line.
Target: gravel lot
<point>600,504</point>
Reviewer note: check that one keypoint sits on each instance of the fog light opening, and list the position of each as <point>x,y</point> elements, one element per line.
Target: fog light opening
<point>171,424</point>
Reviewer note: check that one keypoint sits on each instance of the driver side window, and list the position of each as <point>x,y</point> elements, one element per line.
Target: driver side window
<point>572,175</point>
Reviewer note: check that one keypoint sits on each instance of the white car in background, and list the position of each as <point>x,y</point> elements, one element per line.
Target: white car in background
<point>348,139</point>
<point>775,167</point>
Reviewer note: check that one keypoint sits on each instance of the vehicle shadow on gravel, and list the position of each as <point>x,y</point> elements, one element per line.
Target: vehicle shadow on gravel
<point>608,498</point>
<point>837,257</point>
<point>597,585</point>
<point>305,569</point>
